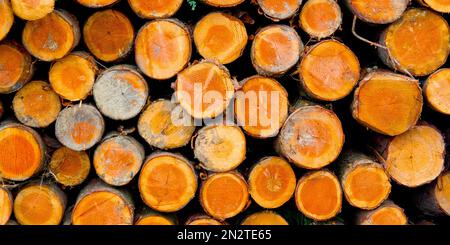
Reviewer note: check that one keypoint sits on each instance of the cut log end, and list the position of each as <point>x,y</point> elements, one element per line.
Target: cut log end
<point>224,195</point>
<point>69,167</point>
<point>167,182</point>
<point>279,9</point>
<point>202,220</point>
<point>434,199</point>
<point>16,65</point>
<point>378,11</point>
<point>437,91</point>
<point>272,182</point>
<point>6,202</point>
<point>223,3</point>
<point>442,6</point>
<point>96,3</point>
<point>264,218</point>
<point>387,214</point>
<point>32,10</point>
<point>220,148</point>
<point>155,9</point>
<point>7,17</point>
<point>329,71</point>
<point>320,18</point>
<point>154,218</point>
<point>442,192</point>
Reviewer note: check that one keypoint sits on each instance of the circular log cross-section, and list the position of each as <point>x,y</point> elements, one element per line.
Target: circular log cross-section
<point>109,35</point>
<point>120,92</point>
<point>408,40</point>
<point>17,67</point>
<point>378,11</point>
<point>150,217</point>
<point>387,103</point>
<point>158,54</point>
<point>434,199</point>
<point>51,37</point>
<point>442,6</point>
<point>223,3</point>
<point>437,91</point>
<point>264,218</point>
<point>329,71</point>
<point>271,182</point>
<point>275,50</point>
<point>167,182</point>
<point>79,127</point>
<point>279,9</point>
<point>32,9</point>
<point>96,3</point>
<point>202,220</point>
<point>155,9</point>
<point>387,214</point>
<point>224,195</point>
<point>320,18</point>
<point>36,104</point>
<point>7,17</point>
<point>69,167</point>
<point>6,202</point>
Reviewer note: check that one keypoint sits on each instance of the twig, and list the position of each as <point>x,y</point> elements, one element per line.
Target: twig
<point>362,38</point>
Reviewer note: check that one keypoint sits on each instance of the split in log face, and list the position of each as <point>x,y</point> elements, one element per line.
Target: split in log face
<point>264,218</point>
<point>219,36</point>
<point>312,137</point>
<point>120,92</point>
<point>69,167</point>
<point>157,126</point>
<point>51,37</point>
<point>73,76</point>
<point>261,106</point>
<point>40,204</point>
<point>279,9</point>
<point>437,91</point>
<point>6,17</point>
<point>32,9</point>
<point>417,43</point>
<point>442,6</point>
<point>156,8</point>
<point>220,148</point>
<point>96,3</point>
<point>318,195</point>
<point>202,220</point>
<point>320,18</point>
<point>17,67</point>
<point>36,104</point>
<point>224,195</point>
<point>204,90</point>
<point>275,50</point>
<point>22,152</point>
<point>387,103</point>
<point>163,48</point>
<point>223,3</point>
<point>167,182</point>
<point>387,214</point>
<point>79,127</point>
<point>118,159</point>
<point>6,204</point>
<point>329,71</point>
<point>271,182</point>
<point>378,11</point>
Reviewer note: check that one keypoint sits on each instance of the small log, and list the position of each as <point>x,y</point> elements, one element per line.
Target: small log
<point>320,18</point>
<point>32,9</point>
<point>386,214</point>
<point>40,204</point>
<point>329,71</point>
<point>279,9</point>
<point>167,182</point>
<point>434,199</point>
<point>408,40</point>
<point>442,6</point>
<point>51,37</point>
<point>223,3</point>
<point>203,220</point>
<point>387,103</point>
<point>318,195</point>
<point>365,183</point>
<point>155,9</point>
<point>220,148</point>
<point>7,17</point>
<point>22,151</point>
<point>165,125</point>
<point>36,104</point>
<point>157,53</point>
<point>261,106</point>
<point>224,195</point>
<point>150,217</point>
<point>73,76</point>
<point>214,30</point>
<point>264,218</point>
<point>17,67</point>
<point>312,137</point>
<point>271,182</point>
<point>101,204</point>
<point>413,158</point>
<point>120,92</point>
<point>275,50</point>
<point>68,167</point>
<point>205,89</point>
<point>436,90</point>
<point>6,202</point>
<point>79,127</point>
<point>109,35</point>
<point>376,11</point>
<point>97,3</point>
<point>118,159</point>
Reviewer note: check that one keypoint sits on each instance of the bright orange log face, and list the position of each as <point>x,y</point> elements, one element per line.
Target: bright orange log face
<point>204,90</point>
<point>275,50</point>
<point>378,11</point>
<point>154,219</point>
<point>319,195</point>
<point>272,182</point>
<point>36,104</point>
<point>16,67</point>
<point>320,18</point>
<point>329,71</point>
<point>442,192</point>
<point>155,8</point>
<point>6,204</point>
<point>163,48</point>
<point>417,43</point>
<point>6,18</point>
<point>167,182</point>
<point>437,91</point>
<point>21,151</point>
<point>437,5</point>
<point>264,218</point>
<point>32,9</point>
<point>69,167</point>
<point>96,3</point>
<point>51,37</point>
<point>387,103</point>
<point>223,3</point>
<point>224,195</point>
<point>261,106</point>
<point>279,9</point>
<point>203,220</point>
<point>389,214</point>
